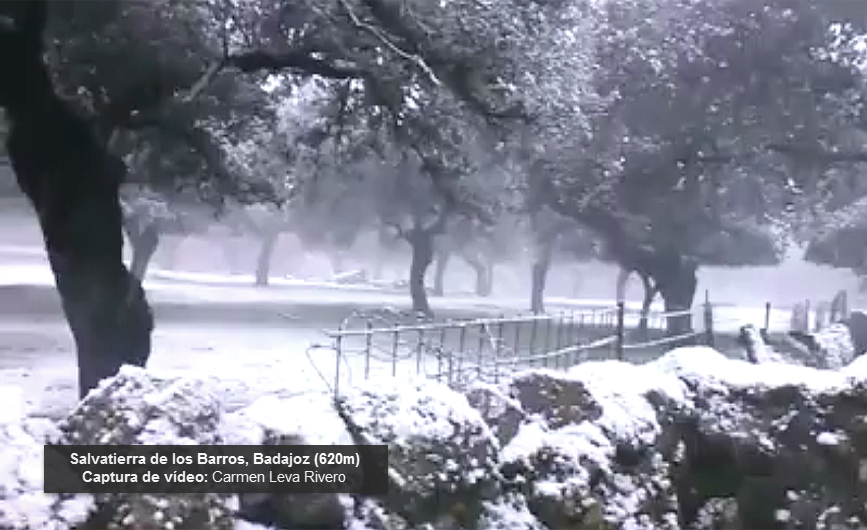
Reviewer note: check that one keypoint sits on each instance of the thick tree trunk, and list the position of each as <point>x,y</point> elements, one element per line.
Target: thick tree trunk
<point>73,183</point>
<point>263,262</point>
<point>144,245</point>
<point>441,263</point>
<point>678,292</point>
<point>622,279</point>
<point>539,276</point>
<point>422,256</point>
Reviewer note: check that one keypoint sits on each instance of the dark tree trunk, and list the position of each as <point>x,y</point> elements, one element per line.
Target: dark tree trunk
<point>678,291</point>
<point>649,294</point>
<point>442,261</point>
<point>144,245</point>
<point>539,276</point>
<point>421,241</point>
<point>73,183</point>
<point>263,262</point>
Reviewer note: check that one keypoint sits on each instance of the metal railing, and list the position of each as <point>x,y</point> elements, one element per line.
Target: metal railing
<point>459,352</point>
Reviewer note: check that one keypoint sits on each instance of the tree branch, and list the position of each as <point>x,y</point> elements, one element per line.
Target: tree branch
<point>298,61</point>
<point>797,152</point>
<point>381,37</point>
<point>400,233</point>
<point>439,225</point>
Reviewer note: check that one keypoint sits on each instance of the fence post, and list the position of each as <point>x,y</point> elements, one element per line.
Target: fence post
<point>533,331</point>
<point>462,343</point>
<point>516,350</point>
<point>441,351</point>
<point>368,344</point>
<point>339,348</point>
<point>708,321</point>
<point>620,330</point>
<point>561,327</point>
<point>480,357</point>
<point>767,316</point>
<point>546,343</point>
<point>394,345</point>
<point>419,351</point>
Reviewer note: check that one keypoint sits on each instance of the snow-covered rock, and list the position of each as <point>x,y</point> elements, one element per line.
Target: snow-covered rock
<point>266,422</point>
<point>592,457</point>
<point>758,351</point>
<point>692,440</point>
<point>442,455</point>
<point>23,505</point>
<point>137,407</point>
<point>835,345</point>
<point>501,412</point>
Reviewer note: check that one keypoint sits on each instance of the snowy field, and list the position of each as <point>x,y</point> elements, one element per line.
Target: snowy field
<point>219,323</point>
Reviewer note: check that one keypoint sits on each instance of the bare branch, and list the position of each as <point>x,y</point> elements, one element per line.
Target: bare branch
<point>400,233</point>
<point>381,37</point>
<point>202,83</point>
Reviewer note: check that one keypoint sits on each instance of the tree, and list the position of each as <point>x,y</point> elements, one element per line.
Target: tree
<point>676,113</point>
<point>390,52</point>
<point>479,244</point>
<point>418,213</point>
<point>147,216</point>
<point>177,127</point>
<point>72,183</point>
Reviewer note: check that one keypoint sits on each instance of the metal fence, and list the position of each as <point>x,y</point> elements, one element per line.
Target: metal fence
<point>459,352</point>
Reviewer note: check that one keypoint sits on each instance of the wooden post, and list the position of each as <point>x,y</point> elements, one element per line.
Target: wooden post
<point>338,358</point>
<point>708,321</point>
<point>767,317</point>
<point>620,330</point>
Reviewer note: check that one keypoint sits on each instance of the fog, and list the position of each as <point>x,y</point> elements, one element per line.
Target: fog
<point>220,252</point>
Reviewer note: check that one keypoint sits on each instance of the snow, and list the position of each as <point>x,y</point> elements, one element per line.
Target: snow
<point>259,373</point>
<point>709,367</point>
<point>620,388</point>
<point>270,412</point>
<point>763,353</point>
<point>835,342</point>
<point>828,438</point>
<point>13,407</point>
<point>211,288</point>
<point>23,505</point>
<point>410,408</point>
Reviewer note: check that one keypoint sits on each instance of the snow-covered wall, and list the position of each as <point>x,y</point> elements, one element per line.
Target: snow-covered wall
<point>693,440</point>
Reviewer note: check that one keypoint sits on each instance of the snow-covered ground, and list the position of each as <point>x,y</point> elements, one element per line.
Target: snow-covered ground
<point>209,288</point>
<point>36,350</point>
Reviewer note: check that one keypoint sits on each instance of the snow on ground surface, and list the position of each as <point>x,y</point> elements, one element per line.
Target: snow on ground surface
<point>36,354</point>
<point>169,286</point>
